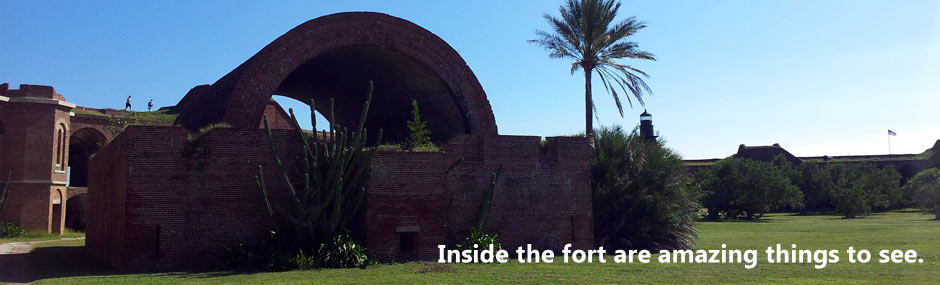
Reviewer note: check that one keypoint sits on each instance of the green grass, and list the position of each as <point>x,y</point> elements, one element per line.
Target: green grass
<point>894,230</point>
<point>157,116</point>
<point>42,235</point>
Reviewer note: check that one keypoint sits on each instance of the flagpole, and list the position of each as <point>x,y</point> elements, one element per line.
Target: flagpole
<point>889,143</point>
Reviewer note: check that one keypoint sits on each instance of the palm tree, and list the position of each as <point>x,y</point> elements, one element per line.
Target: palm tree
<point>584,33</point>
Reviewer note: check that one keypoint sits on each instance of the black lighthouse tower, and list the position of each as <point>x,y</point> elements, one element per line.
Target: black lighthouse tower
<point>646,127</point>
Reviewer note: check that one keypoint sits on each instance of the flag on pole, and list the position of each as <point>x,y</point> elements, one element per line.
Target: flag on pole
<point>890,133</point>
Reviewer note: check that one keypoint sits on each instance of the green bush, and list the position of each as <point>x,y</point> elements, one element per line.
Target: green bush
<point>924,188</point>
<point>342,252</point>
<point>860,189</point>
<point>10,230</point>
<point>641,194</point>
<point>478,241</point>
<point>745,188</point>
<point>815,181</point>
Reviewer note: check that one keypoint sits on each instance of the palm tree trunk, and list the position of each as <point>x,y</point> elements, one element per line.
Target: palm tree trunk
<point>588,107</point>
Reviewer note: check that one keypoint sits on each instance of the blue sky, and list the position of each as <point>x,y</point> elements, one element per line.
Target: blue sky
<point>818,77</point>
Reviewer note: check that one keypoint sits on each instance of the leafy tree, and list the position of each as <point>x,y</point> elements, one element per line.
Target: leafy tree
<point>586,33</point>
<point>642,197</point>
<point>850,196</point>
<point>884,183</point>
<point>816,183</point>
<point>420,136</point>
<point>925,188</point>
<point>863,188</point>
<point>744,188</point>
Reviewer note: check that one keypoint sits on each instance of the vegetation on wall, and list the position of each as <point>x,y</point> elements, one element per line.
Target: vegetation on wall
<point>478,239</point>
<point>743,188</point>
<point>419,136</point>
<point>8,230</point>
<point>641,193</point>
<point>4,193</point>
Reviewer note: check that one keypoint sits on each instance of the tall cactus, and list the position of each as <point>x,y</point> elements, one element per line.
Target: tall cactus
<point>335,169</point>
<point>3,193</point>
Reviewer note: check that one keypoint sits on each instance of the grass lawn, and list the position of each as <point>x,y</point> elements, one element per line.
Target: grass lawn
<point>65,262</point>
<point>42,235</point>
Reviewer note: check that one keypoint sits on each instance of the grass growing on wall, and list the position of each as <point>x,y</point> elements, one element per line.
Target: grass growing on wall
<point>158,116</point>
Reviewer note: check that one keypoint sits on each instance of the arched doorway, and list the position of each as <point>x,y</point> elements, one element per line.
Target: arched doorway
<point>82,145</point>
<point>57,205</point>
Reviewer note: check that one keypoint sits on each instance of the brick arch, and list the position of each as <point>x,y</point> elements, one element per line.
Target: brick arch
<point>333,57</point>
<point>83,143</point>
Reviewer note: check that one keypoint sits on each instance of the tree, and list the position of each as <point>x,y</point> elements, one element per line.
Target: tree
<point>642,198</point>
<point>925,187</point>
<point>817,186</point>
<point>744,188</point>
<point>862,188</point>
<point>419,136</point>
<point>585,34</point>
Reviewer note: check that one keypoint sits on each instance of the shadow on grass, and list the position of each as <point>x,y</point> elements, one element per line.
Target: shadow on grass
<point>64,261</point>
<point>74,261</point>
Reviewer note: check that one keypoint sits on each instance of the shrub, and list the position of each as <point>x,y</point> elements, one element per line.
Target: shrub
<point>642,198</point>
<point>10,230</point>
<point>420,136</point>
<point>744,188</point>
<point>925,189</point>
<point>860,189</point>
<point>341,252</point>
<point>816,183</point>
<point>478,240</point>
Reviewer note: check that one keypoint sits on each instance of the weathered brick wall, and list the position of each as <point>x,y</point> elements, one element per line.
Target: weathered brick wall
<point>32,154</point>
<point>176,201</point>
<point>106,212</point>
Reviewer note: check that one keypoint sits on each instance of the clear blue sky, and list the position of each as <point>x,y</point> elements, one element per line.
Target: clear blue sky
<point>818,77</point>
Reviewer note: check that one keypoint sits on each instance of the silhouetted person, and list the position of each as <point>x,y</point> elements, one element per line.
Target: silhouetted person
<point>150,106</point>
<point>127,106</point>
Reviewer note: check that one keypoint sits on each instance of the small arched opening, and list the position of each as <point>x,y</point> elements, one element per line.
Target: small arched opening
<point>57,203</point>
<point>82,145</point>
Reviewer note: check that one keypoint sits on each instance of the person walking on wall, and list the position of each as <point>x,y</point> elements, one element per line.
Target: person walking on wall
<point>127,106</point>
<point>150,106</point>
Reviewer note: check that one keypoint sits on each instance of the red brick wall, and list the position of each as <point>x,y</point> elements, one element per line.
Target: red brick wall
<point>29,152</point>
<point>160,202</point>
<point>106,211</point>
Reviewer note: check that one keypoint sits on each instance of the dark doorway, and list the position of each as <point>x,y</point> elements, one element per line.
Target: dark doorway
<point>82,145</point>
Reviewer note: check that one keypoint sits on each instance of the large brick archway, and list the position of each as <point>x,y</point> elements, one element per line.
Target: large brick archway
<point>334,57</point>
